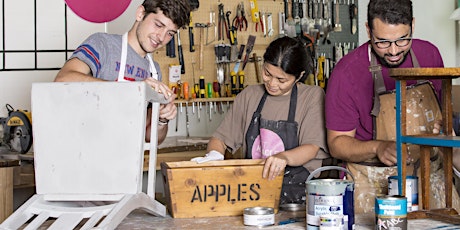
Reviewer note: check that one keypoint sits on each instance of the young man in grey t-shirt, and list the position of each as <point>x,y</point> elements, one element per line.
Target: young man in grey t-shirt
<point>108,57</point>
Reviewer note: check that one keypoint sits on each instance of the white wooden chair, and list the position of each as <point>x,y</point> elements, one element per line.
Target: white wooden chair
<point>89,142</point>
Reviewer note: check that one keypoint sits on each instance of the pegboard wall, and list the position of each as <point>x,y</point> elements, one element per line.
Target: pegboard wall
<point>202,62</point>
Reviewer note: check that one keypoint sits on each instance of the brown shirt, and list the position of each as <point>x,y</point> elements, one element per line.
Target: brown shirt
<point>309,115</point>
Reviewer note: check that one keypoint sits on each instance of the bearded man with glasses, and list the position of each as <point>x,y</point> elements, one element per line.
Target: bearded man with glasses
<point>352,103</point>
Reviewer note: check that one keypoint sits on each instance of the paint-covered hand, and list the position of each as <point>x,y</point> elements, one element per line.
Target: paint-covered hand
<point>213,155</point>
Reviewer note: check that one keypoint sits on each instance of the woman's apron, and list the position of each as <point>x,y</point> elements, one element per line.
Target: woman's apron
<point>265,138</point>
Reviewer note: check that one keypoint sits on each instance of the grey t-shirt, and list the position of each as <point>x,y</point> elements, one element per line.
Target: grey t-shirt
<point>102,53</point>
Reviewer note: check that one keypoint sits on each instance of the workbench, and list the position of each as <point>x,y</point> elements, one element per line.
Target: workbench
<point>141,220</point>
<point>179,148</point>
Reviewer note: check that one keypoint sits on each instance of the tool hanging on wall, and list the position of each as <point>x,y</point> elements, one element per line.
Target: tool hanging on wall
<point>171,49</point>
<point>263,23</point>
<point>240,81</point>
<point>249,46</point>
<point>190,35</point>
<point>238,61</point>
<point>254,12</point>
<point>289,26</point>
<point>256,66</point>
<point>239,21</point>
<point>295,15</point>
<point>353,15</point>
<point>181,55</point>
<point>222,26</point>
<point>321,81</point>
<point>194,5</point>
<point>270,30</point>
<point>231,35</point>
<point>202,26</point>
<point>336,16</point>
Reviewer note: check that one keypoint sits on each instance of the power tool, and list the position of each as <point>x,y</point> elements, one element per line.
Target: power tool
<point>17,130</point>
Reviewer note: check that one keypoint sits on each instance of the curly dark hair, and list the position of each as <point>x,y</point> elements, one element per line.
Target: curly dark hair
<point>290,55</point>
<point>177,10</point>
<point>390,11</point>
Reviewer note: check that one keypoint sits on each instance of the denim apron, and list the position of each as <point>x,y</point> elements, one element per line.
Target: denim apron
<point>267,137</point>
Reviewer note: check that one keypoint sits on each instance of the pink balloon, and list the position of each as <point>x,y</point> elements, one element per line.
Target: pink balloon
<point>98,11</point>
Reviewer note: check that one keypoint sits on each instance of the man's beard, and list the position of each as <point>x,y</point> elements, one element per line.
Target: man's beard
<point>390,65</point>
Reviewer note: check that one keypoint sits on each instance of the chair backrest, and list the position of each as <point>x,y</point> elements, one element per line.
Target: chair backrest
<point>89,138</point>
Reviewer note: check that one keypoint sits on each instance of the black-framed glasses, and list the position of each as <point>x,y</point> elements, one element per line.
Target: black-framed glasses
<point>400,42</point>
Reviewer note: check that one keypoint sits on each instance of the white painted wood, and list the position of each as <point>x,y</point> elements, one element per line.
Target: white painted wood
<point>67,220</point>
<point>88,138</point>
<point>89,149</point>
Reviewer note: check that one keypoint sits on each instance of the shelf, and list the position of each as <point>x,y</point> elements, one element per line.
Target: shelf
<point>441,141</point>
<point>424,73</point>
<point>214,99</point>
<point>401,75</point>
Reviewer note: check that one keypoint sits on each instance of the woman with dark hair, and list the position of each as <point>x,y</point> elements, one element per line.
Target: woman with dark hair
<point>281,120</point>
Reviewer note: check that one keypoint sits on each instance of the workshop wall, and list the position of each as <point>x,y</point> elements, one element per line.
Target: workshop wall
<point>17,22</point>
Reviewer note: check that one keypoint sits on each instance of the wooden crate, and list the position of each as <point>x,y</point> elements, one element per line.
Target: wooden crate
<point>218,188</point>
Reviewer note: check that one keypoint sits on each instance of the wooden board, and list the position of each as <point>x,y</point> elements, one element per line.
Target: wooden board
<point>218,188</point>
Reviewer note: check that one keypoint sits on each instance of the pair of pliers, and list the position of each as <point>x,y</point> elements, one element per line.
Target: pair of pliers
<point>222,26</point>
<point>261,22</point>
<point>231,34</point>
<point>240,22</point>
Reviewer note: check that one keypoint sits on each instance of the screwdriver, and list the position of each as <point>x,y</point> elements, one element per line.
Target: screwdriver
<point>181,55</point>
<point>210,90</point>
<point>196,88</point>
<point>202,87</point>
<point>216,87</point>
<point>233,83</point>
<point>240,80</point>
<point>185,90</point>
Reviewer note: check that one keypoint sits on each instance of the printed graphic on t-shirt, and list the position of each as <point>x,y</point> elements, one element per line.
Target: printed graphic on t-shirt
<point>133,73</point>
<point>268,143</point>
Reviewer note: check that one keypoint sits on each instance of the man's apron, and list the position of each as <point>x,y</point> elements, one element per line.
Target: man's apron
<point>124,55</point>
<point>371,177</point>
<point>267,137</point>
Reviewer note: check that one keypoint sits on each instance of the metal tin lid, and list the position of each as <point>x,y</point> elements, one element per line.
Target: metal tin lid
<point>259,211</point>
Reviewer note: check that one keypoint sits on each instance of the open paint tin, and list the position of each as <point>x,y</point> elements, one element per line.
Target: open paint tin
<point>259,216</point>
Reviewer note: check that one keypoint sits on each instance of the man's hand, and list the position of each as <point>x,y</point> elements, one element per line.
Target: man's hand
<point>386,152</point>
<point>162,88</point>
<point>168,111</point>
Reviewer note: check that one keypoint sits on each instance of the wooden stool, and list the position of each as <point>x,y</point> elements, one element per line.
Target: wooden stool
<point>6,187</point>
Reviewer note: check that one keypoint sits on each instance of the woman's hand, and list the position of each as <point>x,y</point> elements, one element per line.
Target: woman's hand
<point>274,166</point>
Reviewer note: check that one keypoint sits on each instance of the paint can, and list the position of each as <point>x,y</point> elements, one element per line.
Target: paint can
<point>390,212</point>
<point>329,197</point>
<point>411,190</point>
<point>331,222</point>
<point>259,216</point>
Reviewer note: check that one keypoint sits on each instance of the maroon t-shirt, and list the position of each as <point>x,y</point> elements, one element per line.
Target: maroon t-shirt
<point>349,96</point>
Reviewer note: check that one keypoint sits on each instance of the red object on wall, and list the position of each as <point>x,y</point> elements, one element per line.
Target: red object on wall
<point>98,11</point>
